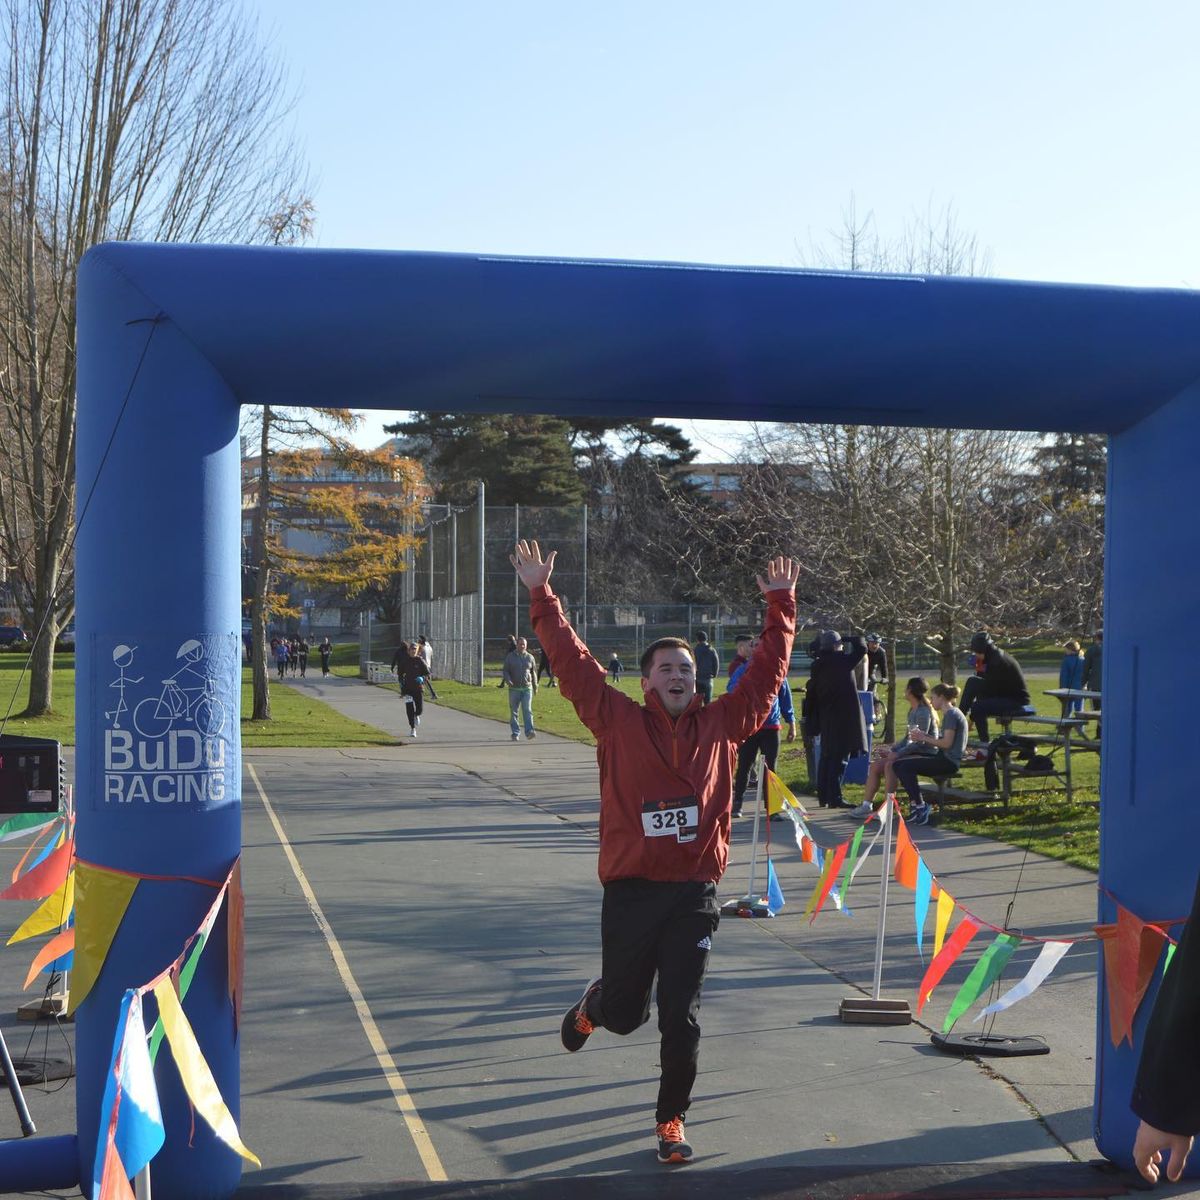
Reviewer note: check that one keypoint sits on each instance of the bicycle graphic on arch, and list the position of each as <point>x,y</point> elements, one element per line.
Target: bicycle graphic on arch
<point>187,697</point>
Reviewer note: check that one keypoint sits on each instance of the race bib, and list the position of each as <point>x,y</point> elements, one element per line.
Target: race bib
<point>671,818</point>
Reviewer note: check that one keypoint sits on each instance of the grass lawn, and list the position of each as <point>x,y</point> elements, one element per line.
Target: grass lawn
<point>296,719</point>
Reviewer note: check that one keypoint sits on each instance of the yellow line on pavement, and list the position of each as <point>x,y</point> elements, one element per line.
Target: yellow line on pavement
<point>412,1118</point>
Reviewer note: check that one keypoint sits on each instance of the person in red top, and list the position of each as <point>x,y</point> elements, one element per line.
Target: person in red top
<point>666,776</point>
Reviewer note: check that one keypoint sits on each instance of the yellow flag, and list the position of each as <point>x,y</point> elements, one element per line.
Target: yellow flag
<point>52,913</point>
<point>101,900</point>
<point>779,797</point>
<point>945,907</point>
<point>198,1081</point>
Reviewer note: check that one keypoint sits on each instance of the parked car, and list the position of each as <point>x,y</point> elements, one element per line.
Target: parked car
<point>66,638</point>
<point>10,635</point>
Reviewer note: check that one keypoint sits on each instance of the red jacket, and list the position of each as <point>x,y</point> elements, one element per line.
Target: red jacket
<point>665,786</point>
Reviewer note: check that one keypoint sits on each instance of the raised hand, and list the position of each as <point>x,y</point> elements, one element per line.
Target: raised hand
<point>781,573</point>
<point>527,560</point>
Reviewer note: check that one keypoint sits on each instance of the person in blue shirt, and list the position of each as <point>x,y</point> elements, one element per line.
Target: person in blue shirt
<point>765,740</point>
<point>1070,675</point>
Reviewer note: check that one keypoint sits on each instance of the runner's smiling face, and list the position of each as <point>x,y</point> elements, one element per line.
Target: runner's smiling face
<point>672,679</point>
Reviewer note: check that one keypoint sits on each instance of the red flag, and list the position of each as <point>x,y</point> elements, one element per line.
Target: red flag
<point>839,856</point>
<point>47,877</point>
<point>943,960</point>
<point>1131,952</point>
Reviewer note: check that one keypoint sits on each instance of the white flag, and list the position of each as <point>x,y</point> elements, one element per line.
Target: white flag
<point>1045,962</point>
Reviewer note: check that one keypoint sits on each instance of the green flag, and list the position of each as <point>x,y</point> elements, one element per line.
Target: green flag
<point>983,974</point>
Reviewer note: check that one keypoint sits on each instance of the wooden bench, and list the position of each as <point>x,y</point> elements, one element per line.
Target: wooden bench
<point>1060,740</point>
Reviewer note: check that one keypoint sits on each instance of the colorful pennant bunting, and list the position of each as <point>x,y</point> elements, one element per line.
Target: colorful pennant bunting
<point>921,893</point>
<point>775,900</point>
<point>58,946</point>
<point>47,877</point>
<point>198,1081</point>
<point>942,961</point>
<point>24,824</point>
<point>101,898</point>
<point>1049,958</point>
<point>983,974</point>
<point>52,913</point>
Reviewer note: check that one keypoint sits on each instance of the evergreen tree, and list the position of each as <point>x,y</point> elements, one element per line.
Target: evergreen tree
<point>1072,467</point>
<point>521,458</point>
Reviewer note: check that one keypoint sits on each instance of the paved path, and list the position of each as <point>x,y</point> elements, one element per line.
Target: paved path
<point>457,874</point>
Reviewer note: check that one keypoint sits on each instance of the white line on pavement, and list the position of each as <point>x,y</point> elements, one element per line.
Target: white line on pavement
<point>412,1118</point>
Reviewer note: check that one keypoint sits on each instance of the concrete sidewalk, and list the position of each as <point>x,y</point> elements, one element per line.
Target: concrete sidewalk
<point>457,873</point>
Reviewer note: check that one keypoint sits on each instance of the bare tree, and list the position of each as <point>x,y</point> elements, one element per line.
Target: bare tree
<point>157,120</point>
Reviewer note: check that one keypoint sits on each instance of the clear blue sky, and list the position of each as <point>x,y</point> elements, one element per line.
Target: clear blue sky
<point>1063,133</point>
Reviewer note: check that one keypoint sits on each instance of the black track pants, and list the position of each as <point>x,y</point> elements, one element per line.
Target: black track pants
<point>766,742</point>
<point>648,927</point>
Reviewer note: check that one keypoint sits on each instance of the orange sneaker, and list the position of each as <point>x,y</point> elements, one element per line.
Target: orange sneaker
<point>672,1142</point>
<point>577,1026</point>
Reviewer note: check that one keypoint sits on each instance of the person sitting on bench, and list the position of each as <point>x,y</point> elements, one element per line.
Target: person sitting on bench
<point>948,746</point>
<point>998,690</point>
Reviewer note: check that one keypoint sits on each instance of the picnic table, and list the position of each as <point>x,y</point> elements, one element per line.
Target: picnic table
<point>1063,728</point>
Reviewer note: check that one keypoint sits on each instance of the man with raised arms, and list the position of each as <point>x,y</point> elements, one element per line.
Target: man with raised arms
<point>666,776</point>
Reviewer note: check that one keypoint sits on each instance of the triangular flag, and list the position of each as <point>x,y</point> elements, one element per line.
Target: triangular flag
<point>198,1081</point>
<point>829,876</point>
<point>101,898</point>
<point>779,798</point>
<point>851,861</point>
<point>24,824</point>
<point>1131,952</point>
<point>235,935</point>
<point>817,890</point>
<point>107,1160</point>
<point>114,1183</point>
<point>52,833</point>
<point>1049,957</point>
<point>945,909</point>
<point>942,961</point>
<point>775,900</point>
<point>52,913</point>
<point>1169,955</point>
<point>48,876</point>
<point>56,947</point>
<point>924,886</point>
<point>140,1134</point>
<point>906,855</point>
<point>983,974</point>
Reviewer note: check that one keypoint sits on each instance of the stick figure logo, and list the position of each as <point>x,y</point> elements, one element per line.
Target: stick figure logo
<point>188,697</point>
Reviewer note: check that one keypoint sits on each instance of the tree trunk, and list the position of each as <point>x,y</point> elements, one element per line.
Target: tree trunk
<point>948,652</point>
<point>262,581</point>
<point>889,722</point>
<point>41,657</point>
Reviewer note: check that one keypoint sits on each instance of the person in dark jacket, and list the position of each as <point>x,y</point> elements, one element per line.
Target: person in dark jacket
<point>1166,1092</point>
<point>1093,664</point>
<point>707,667</point>
<point>1070,675</point>
<point>999,689</point>
<point>833,712</point>
<point>765,739</point>
<point>410,672</point>
<point>665,785</point>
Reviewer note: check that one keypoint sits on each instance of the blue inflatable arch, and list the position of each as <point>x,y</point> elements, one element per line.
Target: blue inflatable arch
<point>174,339</point>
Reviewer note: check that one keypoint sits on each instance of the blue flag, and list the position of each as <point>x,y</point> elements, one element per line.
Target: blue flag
<point>775,900</point>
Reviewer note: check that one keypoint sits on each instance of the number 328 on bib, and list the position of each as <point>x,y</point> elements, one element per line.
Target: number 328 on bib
<point>671,818</point>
